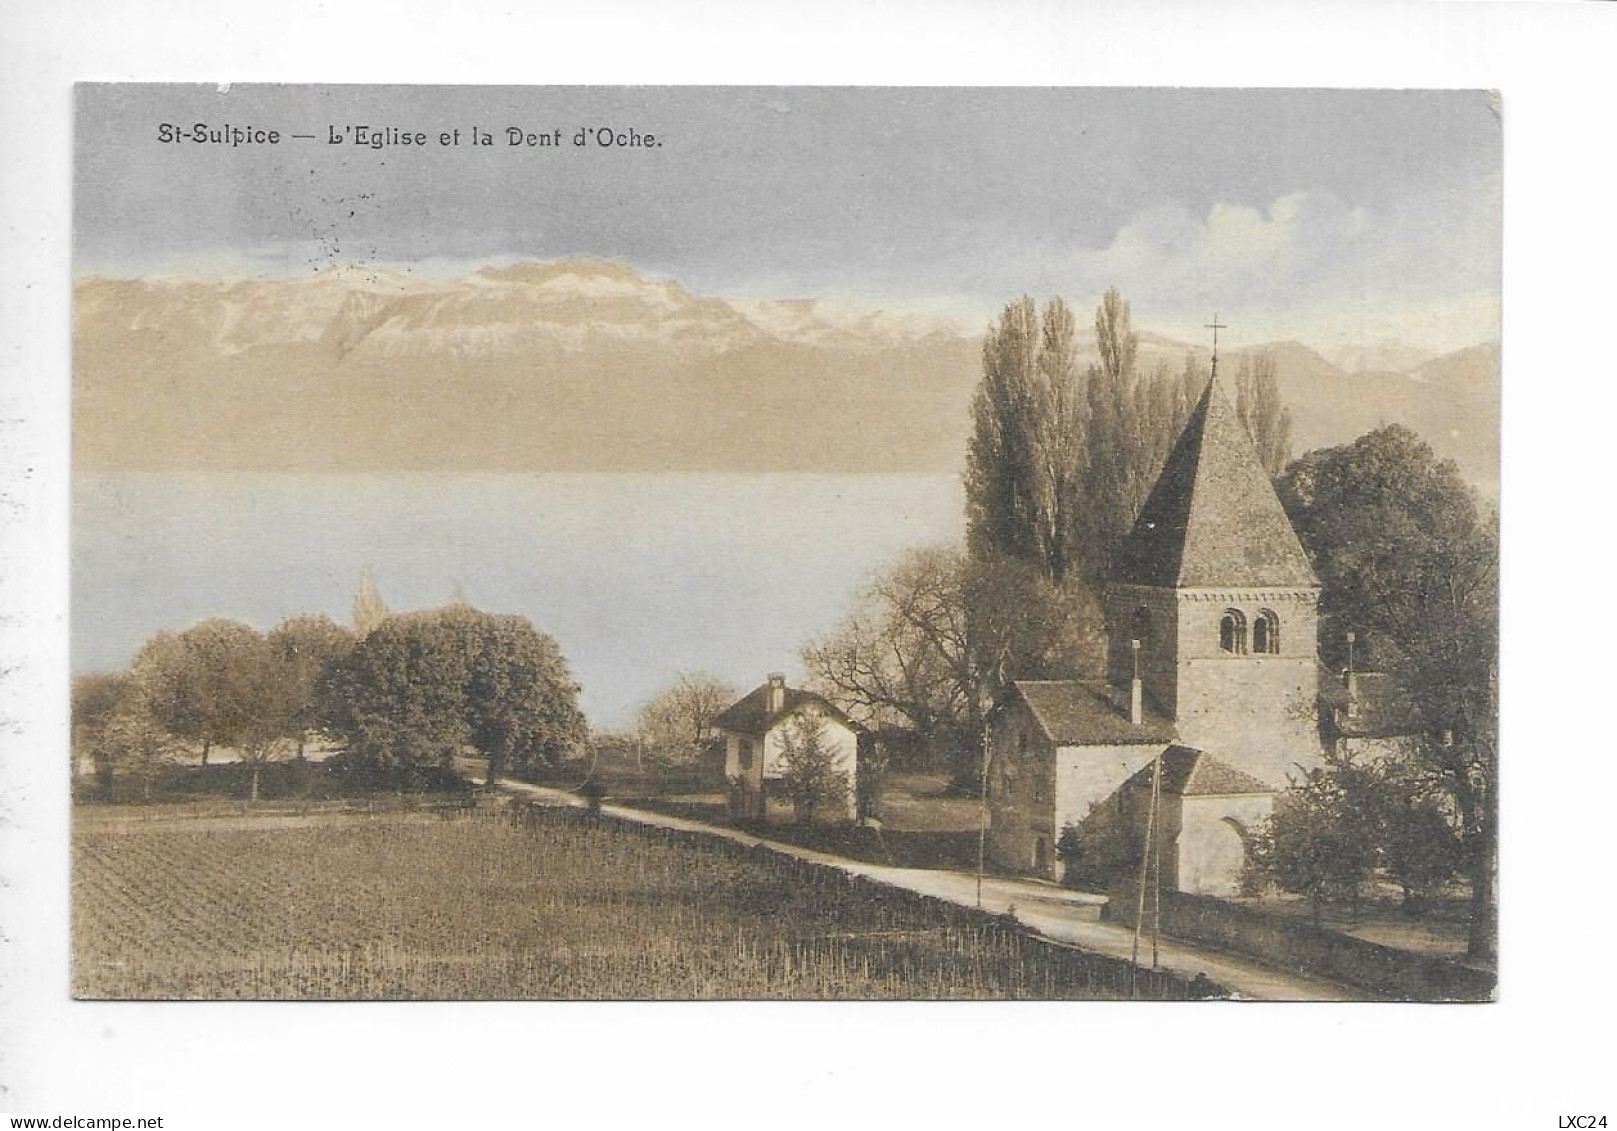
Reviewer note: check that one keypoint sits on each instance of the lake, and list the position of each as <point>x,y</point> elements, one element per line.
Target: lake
<point>637,576</point>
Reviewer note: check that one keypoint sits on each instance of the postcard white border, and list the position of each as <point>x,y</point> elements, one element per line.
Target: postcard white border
<point>1539,1049</point>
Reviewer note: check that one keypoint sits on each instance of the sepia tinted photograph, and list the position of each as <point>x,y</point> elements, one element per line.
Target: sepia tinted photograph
<point>810,543</point>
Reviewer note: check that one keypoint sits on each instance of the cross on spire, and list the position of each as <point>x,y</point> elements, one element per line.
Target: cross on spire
<point>1215,326</point>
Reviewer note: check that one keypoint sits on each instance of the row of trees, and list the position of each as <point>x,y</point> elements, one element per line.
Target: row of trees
<point>219,683</point>
<point>1062,456</point>
<point>406,697</point>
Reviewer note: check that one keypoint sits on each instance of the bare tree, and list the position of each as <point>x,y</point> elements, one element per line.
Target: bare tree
<point>931,643</point>
<point>678,723</point>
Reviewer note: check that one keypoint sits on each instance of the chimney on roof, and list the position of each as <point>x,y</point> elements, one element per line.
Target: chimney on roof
<point>777,692</point>
<point>1136,689</point>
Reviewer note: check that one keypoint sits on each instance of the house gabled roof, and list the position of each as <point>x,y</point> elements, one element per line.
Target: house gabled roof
<point>1080,713</point>
<point>751,715</point>
<point>1188,772</point>
<point>1213,519</point>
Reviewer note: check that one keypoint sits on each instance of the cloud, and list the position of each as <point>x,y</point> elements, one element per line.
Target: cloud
<point>1422,267</point>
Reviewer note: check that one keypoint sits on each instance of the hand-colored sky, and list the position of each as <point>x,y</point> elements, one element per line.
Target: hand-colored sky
<point>1338,218</point>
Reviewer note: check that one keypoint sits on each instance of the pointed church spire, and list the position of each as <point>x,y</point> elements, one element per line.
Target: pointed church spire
<point>1213,519</point>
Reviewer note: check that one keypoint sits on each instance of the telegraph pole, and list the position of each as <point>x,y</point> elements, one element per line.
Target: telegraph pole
<point>1145,862</point>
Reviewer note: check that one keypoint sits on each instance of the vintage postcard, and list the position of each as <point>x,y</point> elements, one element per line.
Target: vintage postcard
<point>806,543</point>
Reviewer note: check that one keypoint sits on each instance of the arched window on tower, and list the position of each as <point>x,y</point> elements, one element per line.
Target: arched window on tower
<point>1232,632</point>
<point>1266,633</point>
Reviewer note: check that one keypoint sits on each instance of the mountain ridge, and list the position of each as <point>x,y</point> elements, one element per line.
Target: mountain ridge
<point>588,364</point>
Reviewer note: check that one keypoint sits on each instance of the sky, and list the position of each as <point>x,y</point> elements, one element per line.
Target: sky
<point>1338,218</point>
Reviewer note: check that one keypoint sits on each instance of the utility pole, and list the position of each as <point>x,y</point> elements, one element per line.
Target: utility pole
<point>1145,862</point>
<point>982,811</point>
<point>1156,861</point>
<point>987,761</point>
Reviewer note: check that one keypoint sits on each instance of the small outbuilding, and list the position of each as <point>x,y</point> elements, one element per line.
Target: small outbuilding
<point>754,730</point>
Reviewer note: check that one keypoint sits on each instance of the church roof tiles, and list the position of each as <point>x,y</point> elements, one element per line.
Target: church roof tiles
<point>1188,772</point>
<point>1213,519</point>
<point>1079,713</point>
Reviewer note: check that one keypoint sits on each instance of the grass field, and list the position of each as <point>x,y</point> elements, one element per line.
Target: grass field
<point>522,903</point>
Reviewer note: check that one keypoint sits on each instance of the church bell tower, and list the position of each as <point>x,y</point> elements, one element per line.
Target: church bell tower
<point>1215,586</point>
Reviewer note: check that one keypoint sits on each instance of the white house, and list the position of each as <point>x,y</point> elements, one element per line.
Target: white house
<point>754,728</point>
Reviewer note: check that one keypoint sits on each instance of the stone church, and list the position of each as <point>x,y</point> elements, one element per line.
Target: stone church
<point>1211,618</point>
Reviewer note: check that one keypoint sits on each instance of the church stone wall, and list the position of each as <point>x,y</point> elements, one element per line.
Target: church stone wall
<point>1021,791</point>
<point>1256,712</point>
<point>1211,844</point>
<point>1089,775</point>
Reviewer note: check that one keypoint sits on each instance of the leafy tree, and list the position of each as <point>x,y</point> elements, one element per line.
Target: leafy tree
<point>187,682</point>
<point>309,646</point>
<point>1409,562</point>
<point>1161,404</point>
<point>1022,625</point>
<point>678,723</point>
<point>1102,846</point>
<point>1420,848</point>
<point>1115,486</point>
<point>399,697</point>
<point>810,777</point>
<point>262,672</point>
<point>522,704</point>
<point>1258,404</point>
<point>1012,461</point>
<point>875,760</point>
<point>96,696</point>
<point>1070,851</point>
<point>422,686</point>
<point>1320,841</point>
<point>115,730</point>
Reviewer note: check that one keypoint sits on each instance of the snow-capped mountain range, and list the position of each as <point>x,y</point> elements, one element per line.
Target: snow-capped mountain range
<point>590,365</point>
